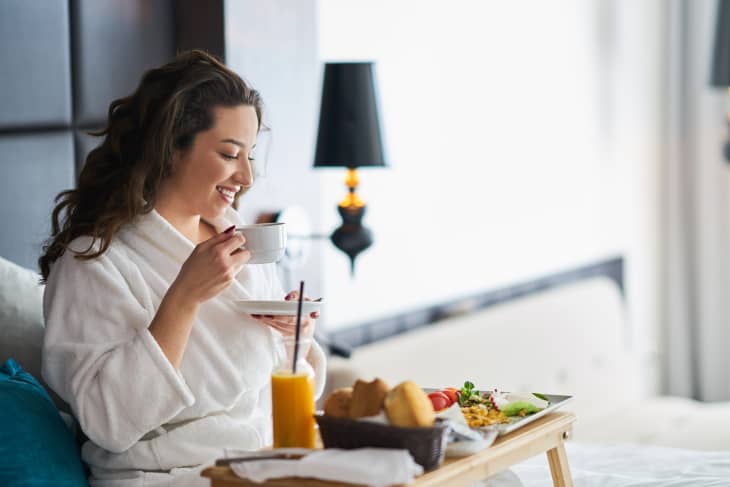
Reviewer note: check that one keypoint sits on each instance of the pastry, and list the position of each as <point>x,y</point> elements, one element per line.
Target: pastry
<point>338,403</point>
<point>367,398</point>
<point>408,406</point>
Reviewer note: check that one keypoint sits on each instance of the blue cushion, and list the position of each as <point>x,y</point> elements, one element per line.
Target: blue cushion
<point>36,446</point>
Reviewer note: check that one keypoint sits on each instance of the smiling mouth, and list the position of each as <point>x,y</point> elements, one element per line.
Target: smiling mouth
<point>228,194</point>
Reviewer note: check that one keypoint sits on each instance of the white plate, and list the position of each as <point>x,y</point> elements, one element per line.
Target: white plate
<point>278,307</point>
<point>555,401</point>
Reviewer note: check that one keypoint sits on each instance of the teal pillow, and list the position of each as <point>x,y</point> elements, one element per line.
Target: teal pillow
<point>36,446</point>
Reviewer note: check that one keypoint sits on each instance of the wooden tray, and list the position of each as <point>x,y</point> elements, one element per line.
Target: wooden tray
<point>543,435</point>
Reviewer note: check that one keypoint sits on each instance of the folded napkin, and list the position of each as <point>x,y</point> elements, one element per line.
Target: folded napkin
<point>377,467</point>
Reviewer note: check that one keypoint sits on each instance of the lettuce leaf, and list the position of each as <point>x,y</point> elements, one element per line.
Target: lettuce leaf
<point>514,408</point>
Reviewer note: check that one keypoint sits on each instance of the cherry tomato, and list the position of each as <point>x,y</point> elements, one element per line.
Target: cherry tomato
<point>451,394</point>
<point>439,400</point>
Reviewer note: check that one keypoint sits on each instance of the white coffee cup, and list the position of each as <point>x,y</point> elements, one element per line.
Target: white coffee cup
<point>265,241</point>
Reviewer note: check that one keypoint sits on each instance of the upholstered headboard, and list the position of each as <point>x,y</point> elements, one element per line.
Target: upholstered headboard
<point>57,86</point>
<point>371,331</point>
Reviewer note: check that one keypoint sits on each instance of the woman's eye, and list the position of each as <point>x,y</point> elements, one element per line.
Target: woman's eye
<point>251,157</point>
<point>229,157</point>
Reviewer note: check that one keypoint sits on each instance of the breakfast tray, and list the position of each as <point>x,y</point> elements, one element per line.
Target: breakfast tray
<point>544,435</point>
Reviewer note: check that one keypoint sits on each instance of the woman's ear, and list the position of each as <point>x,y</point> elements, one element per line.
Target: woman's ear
<point>176,156</point>
<point>175,160</point>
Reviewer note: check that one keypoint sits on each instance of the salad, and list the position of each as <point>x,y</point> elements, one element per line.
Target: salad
<point>490,407</point>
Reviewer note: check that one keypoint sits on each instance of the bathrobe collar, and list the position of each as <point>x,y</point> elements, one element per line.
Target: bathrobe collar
<point>160,233</point>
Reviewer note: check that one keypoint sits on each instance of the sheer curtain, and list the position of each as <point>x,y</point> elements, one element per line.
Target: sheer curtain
<point>696,203</point>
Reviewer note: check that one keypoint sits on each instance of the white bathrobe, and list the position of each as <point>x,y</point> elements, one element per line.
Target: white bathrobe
<point>147,422</point>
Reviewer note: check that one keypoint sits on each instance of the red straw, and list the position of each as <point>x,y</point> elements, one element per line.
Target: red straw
<point>299,326</point>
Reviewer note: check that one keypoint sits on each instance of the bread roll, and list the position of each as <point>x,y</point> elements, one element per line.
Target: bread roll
<point>338,403</point>
<point>408,406</point>
<point>368,398</point>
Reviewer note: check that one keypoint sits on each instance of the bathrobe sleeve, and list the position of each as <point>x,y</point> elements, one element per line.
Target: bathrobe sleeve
<point>99,356</point>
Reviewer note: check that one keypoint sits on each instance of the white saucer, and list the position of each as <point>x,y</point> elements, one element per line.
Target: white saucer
<point>278,307</point>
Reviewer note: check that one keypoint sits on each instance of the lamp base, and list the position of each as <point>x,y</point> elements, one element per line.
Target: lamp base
<point>352,237</point>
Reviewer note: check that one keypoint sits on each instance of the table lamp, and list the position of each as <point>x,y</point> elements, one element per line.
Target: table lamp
<point>721,56</point>
<point>349,136</point>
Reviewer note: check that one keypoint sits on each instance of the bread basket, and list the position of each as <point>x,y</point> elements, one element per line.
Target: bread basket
<point>426,445</point>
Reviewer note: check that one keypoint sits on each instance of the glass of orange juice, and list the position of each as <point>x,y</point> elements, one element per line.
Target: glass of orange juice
<point>292,398</point>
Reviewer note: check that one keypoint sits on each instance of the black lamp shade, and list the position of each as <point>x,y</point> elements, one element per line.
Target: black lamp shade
<point>721,53</point>
<point>349,126</point>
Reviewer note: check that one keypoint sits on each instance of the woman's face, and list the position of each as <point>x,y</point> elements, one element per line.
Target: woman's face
<point>217,165</point>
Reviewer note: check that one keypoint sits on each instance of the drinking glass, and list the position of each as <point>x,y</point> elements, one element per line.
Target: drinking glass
<point>292,398</point>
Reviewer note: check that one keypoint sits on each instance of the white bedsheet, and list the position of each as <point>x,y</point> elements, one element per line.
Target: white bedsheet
<point>632,465</point>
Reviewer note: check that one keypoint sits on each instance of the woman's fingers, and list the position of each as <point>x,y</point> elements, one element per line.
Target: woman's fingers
<point>283,323</point>
<point>284,329</point>
<point>233,243</point>
<point>232,253</point>
<point>294,295</point>
<point>216,239</point>
<point>286,325</point>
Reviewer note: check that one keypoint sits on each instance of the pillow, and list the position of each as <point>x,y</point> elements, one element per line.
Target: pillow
<point>21,320</point>
<point>36,447</point>
<point>21,316</point>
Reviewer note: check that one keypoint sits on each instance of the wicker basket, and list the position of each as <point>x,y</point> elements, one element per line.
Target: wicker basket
<point>426,445</point>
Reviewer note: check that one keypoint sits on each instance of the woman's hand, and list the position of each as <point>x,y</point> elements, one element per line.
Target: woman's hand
<point>211,267</point>
<point>287,325</point>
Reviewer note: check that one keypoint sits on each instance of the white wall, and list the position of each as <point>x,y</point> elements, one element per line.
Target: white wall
<point>273,45</point>
<point>523,139</point>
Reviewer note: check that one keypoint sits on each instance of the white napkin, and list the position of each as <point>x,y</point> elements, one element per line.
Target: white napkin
<point>377,467</point>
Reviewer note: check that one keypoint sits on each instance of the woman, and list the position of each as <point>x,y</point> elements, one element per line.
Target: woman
<point>143,338</point>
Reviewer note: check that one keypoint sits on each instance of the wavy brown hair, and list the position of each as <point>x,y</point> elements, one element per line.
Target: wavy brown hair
<point>121,177</point>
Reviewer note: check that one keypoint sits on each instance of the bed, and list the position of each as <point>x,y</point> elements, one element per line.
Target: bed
<point>562,334</point>
<point>631,465</point>
<point>569,336</point>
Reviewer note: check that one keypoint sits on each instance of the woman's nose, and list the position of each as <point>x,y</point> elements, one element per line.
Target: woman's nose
<point>244,176</point>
